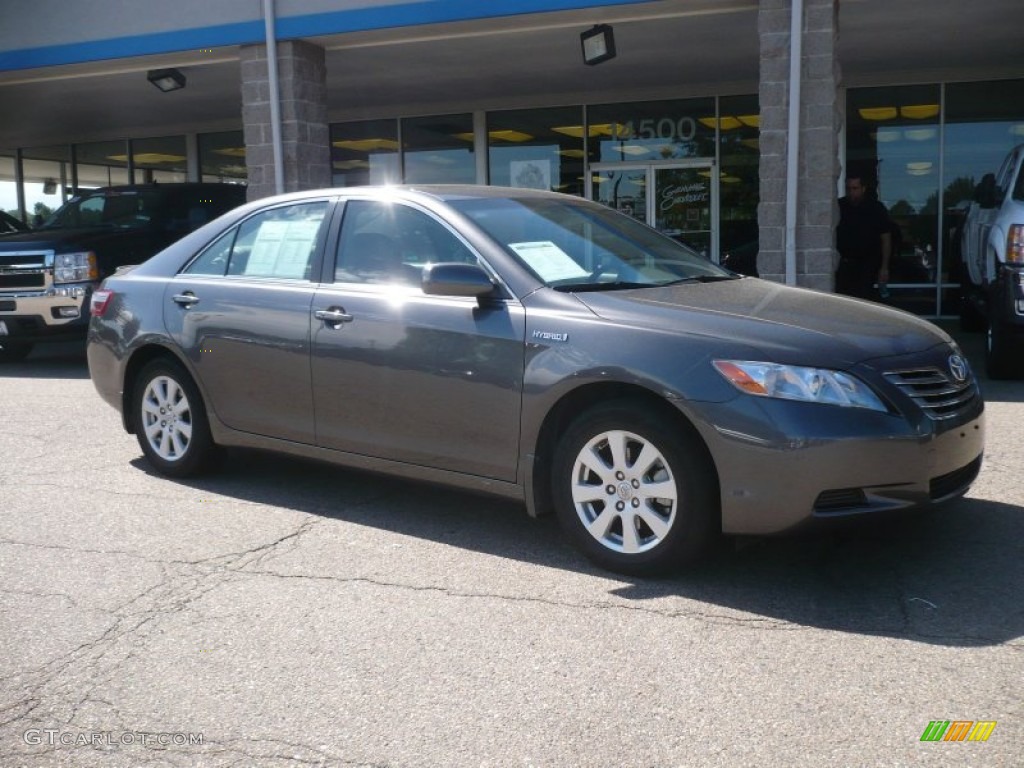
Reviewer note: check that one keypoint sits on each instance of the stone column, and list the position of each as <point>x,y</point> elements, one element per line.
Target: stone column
<point>302,80</point>
<point>821,116</point>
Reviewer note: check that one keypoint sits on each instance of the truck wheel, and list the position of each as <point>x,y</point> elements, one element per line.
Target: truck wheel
<point>13,353</point>
<point>634,491</point>
<point>170,421</point>
<point>1003,353</point>
<point>971,318</point>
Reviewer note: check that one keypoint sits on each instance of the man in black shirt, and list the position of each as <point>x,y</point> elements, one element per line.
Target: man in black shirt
<point>864,242</point>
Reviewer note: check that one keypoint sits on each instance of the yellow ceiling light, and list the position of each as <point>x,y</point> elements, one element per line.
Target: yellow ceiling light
<point>1017,129</point>
<point>573,153</point>
<point>601,129</point>
<point>509,135</point>
<point>921,166</point>
<point>878,113</point>
<point>730,179</point>
<point>724,123</point>
<point>886,135</point>
<point>367,145</point>
<point>919,111</point>
<point>149,158</point>
<point>631,149</point>
<point>349,165</point>
<point>231,151</point>
<point>504,135</point>
<point>751,121</point>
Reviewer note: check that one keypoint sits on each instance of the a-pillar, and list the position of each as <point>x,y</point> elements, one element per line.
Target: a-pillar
<point>302,83</point>
<point>821,116</point>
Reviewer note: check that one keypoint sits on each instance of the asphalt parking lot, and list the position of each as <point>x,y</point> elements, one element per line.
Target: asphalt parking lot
<point>287,613</point>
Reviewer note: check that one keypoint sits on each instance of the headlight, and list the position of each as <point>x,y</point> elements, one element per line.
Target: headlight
<point>790,382</point>
<point>75,267</point>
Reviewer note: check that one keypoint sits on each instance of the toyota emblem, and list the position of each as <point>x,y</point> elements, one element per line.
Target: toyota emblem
<point>958,367</point>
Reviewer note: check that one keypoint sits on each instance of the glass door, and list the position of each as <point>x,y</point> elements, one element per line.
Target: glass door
<point>678,199</point>
<point>682,206</point>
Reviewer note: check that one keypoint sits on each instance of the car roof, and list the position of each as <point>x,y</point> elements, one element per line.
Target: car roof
<point>442,192</point>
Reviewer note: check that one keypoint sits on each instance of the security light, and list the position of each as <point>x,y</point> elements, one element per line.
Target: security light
<point>166,79</point>
<point>598,44</point>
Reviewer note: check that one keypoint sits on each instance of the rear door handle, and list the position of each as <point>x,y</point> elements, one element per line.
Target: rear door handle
<point>333,317</point>
<point>186,299</point>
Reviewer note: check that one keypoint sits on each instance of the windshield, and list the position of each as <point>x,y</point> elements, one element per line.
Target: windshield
<point>575,245</point>
<point>127,210</point>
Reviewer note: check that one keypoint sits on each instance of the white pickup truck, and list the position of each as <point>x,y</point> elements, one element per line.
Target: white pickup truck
<point>992,246</point>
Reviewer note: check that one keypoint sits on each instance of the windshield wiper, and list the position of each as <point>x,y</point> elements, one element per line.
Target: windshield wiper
<point>614,285</point>
<point>703,279</point>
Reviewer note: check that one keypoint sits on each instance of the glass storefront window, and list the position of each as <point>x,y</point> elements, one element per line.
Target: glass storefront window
<point>8,188</point>
<point>162,159</point>
<point>984,121</point>
<point>47,175</point>
<point>102,164</point>
<point>650,131</point>
<point>739,181</point>
<point>365,152</point>
<point>893,143</point>
<point>222,157</point>
<point>439,149</point>
<point>531,148</point>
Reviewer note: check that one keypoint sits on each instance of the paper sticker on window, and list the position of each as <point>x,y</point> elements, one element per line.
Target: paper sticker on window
<point>548,260</point>
<point>283,248</point>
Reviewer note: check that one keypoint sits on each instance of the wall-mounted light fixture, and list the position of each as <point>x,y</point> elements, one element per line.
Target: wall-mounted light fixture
<point>598,44</point>
<point>166,79</point>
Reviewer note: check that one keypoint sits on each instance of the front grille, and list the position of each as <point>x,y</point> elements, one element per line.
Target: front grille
<point>953,482</point>
<point>22,280</point>
<point>937,394</point>
<point>22,261</point>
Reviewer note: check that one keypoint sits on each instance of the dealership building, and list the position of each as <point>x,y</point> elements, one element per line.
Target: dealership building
<point>728,124</point>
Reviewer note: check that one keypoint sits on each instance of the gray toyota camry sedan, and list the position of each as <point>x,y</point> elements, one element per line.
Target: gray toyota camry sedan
<point>540,347</point>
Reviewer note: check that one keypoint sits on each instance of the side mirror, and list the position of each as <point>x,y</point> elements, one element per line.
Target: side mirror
<point>451,279</point>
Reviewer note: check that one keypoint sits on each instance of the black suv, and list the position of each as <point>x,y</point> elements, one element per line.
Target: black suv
<point>48,274</point>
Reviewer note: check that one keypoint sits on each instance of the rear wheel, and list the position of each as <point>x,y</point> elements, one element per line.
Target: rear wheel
<point>12,353</point>
<point>1004,354</point>
<point>170,421</point>
<point>635,492</point>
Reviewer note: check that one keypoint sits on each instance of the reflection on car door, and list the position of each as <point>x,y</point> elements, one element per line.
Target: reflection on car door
<point>397,374</point>
<point>241,313</point>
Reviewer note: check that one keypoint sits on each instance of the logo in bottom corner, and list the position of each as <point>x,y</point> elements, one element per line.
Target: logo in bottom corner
<point>958,730</point>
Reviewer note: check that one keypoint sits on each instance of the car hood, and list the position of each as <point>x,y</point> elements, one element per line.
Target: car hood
<point>66,239</point>
<point>788,325</point>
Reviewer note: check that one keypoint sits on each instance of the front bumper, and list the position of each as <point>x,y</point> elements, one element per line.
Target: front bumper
<point>55,315</point>
<point>1007,298</point>
<point>847,464</point>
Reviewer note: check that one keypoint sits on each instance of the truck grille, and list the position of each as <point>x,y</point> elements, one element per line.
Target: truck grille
<point>934,391</point>
<point>25,269</point>
<point>22,280</point>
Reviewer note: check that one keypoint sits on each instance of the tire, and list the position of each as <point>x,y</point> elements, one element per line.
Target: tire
<point>170,421</point>
<point>603,495</point>
<point>13,353</point>
<point>1004,354</point>
<point>971,318</point>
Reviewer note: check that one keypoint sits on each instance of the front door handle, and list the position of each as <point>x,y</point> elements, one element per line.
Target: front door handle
<point>186,299</point>
<point>333,317</point>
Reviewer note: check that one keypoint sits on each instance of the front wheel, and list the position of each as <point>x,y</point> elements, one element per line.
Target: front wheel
<point>1004,354</point>
<point>13,353</point>
<point>170,421</point>
<point>635,492</point>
